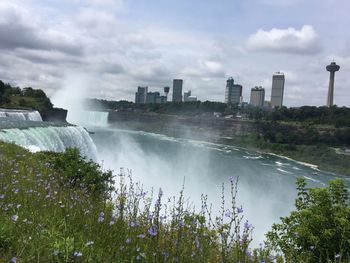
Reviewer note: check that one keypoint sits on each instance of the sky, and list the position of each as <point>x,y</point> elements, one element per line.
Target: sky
<point>106,48</point>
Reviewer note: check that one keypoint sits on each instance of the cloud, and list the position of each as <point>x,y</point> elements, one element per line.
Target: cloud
<point>205,69</point>
<point>17,32</point>
<point>290,40</point>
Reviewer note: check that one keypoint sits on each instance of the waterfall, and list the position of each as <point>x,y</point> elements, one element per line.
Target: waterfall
<point>51,138</point>
<point>20,115</point>
<point>88,118</point>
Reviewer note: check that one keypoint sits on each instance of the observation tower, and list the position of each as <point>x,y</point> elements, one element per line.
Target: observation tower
<point>332,68</point>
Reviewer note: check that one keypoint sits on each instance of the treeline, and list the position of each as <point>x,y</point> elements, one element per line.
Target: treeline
<point>335,116</point>
<point>275,132</point>
<point>15,97</point>
<point>192,108</point>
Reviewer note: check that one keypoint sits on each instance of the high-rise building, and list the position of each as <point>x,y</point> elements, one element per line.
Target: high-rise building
<point>154,97</point>
<point>177,90</point>
<point>233,93</point>
<point>332,68</point>
<point>257,96</point>
<point>192,98</point>
<point>141,94</point>
<point>277,90</point>
<point>186,95</point>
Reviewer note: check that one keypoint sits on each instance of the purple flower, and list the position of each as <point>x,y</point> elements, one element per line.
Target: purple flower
<point>141,236</point>
<point>14,218</point>
<point>247,225</point>
<point>239,210</point>
<point>128,241</point>
<point>2,196</point>
<point>14,260</point>
<point>133,224</point>
<point>181,223</point>
<point>232,179</point>
<point>77,254</point>
<point>228,213</point>
<point>152,231</point>
<point>101,217</point>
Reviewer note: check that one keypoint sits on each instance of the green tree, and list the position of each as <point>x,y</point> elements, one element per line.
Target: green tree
<point>319,229</point>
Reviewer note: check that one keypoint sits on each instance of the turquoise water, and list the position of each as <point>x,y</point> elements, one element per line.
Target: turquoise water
<point>266,188</point>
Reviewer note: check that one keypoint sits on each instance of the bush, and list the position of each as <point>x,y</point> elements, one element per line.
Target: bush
<point>80,172</point>
<point>319,229</point>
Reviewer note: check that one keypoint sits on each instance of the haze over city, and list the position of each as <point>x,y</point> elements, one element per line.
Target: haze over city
<point>119,45</point>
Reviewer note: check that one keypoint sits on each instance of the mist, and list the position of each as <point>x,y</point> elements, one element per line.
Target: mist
<point>266,184</point>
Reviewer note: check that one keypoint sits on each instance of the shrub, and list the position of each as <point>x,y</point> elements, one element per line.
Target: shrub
<point>80,172</point>
<point>319,229</point>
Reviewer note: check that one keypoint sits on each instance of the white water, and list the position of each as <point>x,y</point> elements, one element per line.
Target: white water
<point>55,139</point>
<point>20,115</point>
<point>88,118</point>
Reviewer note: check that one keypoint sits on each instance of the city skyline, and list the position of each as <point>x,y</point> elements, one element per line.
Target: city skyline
<point>117,45</point>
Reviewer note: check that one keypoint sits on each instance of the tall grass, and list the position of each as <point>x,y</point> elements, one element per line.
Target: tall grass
<point>47,217</point>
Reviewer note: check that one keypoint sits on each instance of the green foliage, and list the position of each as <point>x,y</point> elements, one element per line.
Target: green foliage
<point>319,229</point>
<point>14,97</point>
<point>80,172</point>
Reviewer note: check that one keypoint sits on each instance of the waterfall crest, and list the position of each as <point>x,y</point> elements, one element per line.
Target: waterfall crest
<point>51,138</point>
<point>88,118</point>
<point>20,115</point>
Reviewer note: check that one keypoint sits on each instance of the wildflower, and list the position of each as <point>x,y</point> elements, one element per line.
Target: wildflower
<point>14,260</point>
<point>128,241</point>
<point>247,226</point>
<point>138,257</point>
<point>228,213</point>
<point>14,218</point>
<point>101,217</point>
<point>2,196</point>
<point>77,254</point>
<point>133,224</point>
<point>111,223</point>
<point>337,256</point>
<point>239,210</point>
<point>89,243</point>
<point>141,236</point>
<point>152,231</point>
<point>232,179</point>
<point>181,223</point>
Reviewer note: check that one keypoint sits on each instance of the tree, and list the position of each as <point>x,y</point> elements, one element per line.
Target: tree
<point>319,229</point>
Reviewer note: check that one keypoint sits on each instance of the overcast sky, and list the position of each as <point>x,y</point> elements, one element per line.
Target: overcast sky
<point>109,47</point>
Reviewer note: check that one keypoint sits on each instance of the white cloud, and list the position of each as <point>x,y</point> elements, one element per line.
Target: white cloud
<point>290,40</point>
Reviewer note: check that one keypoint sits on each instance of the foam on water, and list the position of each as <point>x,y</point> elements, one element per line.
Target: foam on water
<point>20,115</point>
<point>55,139</point>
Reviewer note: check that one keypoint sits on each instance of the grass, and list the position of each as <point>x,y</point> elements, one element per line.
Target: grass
<point>46,215</point>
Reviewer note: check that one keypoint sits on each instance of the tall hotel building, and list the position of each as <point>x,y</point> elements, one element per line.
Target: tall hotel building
<point>177,90</point>
<point>257,96</point>
<point>233,93</point>
<point>141,95</point>
<point>277,90</point>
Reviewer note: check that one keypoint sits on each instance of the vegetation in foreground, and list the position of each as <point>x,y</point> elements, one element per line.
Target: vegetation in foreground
<point>58,207</point>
